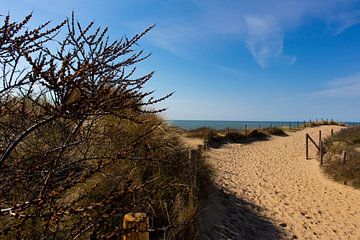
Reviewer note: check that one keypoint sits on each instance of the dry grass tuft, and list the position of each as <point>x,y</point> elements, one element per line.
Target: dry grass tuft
<point>348,139</point>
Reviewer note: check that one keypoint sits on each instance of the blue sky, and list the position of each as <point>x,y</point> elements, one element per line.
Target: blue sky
<point>235,60</point>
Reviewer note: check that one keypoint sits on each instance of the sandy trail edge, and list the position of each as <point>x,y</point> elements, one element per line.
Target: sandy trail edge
<point>267,190</point>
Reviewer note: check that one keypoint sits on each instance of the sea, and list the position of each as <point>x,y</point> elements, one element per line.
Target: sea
<point>193,124</point>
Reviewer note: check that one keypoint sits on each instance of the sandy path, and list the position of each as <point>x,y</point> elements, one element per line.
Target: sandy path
<point>267,186</point>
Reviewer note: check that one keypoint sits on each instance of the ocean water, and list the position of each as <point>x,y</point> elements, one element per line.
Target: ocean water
<point>192,124</point>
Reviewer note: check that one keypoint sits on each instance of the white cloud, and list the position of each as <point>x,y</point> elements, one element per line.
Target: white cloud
<point>346,86</point>
<point>259,25</point>
<point>185,26</point>
<point>344,20</point>
<point>233,71</point>
<point>264,39</point>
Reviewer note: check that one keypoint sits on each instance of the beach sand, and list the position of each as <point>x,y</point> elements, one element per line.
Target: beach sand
<point>268,190</point>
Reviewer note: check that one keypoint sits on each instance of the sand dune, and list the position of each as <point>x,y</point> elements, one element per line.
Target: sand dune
<point>267,190</point>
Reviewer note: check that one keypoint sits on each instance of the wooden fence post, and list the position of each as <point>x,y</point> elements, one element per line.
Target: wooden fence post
<point>307,146</point>
<point>137,224</point>
<point>245,128</point>
<point>290,125</point>
<point>319,138</point>
<point>321,152</point>
<point>228,131</point>
<point>343,157</point>
<point>206,144</point>
<point>332,132</point>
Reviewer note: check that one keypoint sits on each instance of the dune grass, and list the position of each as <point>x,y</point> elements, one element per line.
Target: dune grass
<point>323,122</point>
<point>216,138</point>
<point>153,177</point>
<point>347,139</point>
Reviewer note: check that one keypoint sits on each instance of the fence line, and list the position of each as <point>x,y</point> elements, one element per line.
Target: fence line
<point>270,125</point>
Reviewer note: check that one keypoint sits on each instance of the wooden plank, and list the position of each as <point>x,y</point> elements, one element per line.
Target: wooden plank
<point>318,148</point>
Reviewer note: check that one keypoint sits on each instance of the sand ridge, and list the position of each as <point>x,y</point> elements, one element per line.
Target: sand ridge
<point>288,197</point>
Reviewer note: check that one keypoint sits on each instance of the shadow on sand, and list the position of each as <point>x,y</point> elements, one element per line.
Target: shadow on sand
<point>225,216</point>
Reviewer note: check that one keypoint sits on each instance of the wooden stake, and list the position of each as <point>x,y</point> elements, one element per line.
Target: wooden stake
<point>307,146</point>
<point>321,152</point>
<point>343,157</point>
<point>319,138</point>
<point>332,132</point>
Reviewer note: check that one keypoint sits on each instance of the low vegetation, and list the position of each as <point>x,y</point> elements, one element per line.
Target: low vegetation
<point>348,171</point>
<point>323,122</point>
<point>216,138</point>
